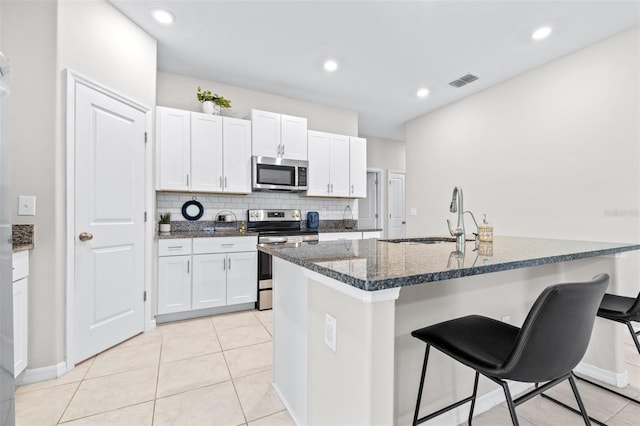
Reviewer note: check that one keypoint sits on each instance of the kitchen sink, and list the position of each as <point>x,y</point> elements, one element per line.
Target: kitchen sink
<point>421,240</point>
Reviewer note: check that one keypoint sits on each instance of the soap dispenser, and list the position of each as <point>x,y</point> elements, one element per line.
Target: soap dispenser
<point>485,229</point>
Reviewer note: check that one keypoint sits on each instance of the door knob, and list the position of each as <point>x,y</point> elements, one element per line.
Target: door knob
<point>85,236</point>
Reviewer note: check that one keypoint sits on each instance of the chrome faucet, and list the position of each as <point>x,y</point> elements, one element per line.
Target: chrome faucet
<point>457,206</point>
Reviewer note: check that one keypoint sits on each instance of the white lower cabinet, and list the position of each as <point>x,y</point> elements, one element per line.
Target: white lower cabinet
<point>20,311</point>
<point>216,272</point>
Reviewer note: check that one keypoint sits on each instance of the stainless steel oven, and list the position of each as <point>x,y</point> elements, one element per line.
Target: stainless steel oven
<point>281,227</point>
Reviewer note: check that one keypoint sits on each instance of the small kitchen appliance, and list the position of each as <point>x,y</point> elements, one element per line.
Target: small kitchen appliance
<point>313,220</point>
<point>278,174</point>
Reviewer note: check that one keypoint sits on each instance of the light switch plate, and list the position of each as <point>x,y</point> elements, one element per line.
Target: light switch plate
<point>413,211</point>
<point>330,325</point>
<point>26,205</point>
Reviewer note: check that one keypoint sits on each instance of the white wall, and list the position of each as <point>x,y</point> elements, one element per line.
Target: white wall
<point>386,153</point>
<point>551,153</point>
<point>97,41</point>
<point>178,91</point>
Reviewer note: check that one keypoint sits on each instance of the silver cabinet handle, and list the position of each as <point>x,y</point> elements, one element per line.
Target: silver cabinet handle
<point>283,150</point>
<point>187,179</point>
<point>328,188</point>
<point>228,245</point>
<point>225,181</point>
<point>188,266</point>
<point>85,236</point>
<point>332,188</point>
<point>352,189</point>
<point>174,247</point>
<point>224,265</point>
<point>229,263</point>
<point>221,182</point>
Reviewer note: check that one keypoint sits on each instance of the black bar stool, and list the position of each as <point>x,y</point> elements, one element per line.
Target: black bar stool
<point>551,342</point>
<point>623,310</point>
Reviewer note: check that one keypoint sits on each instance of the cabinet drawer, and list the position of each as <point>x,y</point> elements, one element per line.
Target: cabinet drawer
<point>224,244</point>
<point>20,265</point>
<point>174,247</point>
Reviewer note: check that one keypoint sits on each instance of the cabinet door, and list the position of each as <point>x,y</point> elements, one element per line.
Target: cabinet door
<point>173,149</point>
<point>358,167</point>
<point>209,281</point>
<point>318,173</point>
<point>265,139</point>
<point>339,166</point>
<point>174,284</point>
<point>20,325</point>
<point>237,155</point>
<point>206,152</point>
<point>294,137</point>
<point>242,277</point>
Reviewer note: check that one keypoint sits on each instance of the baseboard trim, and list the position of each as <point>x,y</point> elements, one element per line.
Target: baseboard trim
<point>619,380</point>
<point>286,404</point>
<point>484,403</point>
<point>34,375</point>
<point>179,316</point>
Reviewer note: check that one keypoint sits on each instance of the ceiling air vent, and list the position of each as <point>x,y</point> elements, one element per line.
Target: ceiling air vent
<point>464,80</point>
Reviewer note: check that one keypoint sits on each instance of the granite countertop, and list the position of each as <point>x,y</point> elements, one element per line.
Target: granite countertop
<point>204,234</point>
<point>23,237</point>
<point>381,264</point>
<point>349,230</point>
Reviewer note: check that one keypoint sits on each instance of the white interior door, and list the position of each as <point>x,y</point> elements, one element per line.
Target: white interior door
<point>109,222</point>
<point>368,207</point>
<point>397,219</point>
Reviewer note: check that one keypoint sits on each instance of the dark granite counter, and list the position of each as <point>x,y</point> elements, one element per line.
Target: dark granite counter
<point>23,237</point>
<point>380,264</point>
<point>205,234</point>
<point>349,230</point>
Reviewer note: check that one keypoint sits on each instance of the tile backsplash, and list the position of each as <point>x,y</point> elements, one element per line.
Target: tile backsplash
<point>328,208</point>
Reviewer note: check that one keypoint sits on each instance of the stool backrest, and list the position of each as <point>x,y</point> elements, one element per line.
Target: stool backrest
<point>634,310</point>
<point>556,333</point>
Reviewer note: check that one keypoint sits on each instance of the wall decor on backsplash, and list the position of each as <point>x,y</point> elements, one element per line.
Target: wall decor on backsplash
<point>328,208</point>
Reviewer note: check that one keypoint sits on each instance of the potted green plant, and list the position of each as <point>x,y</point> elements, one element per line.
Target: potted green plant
<point>165,222</point>
<point>211,103</point>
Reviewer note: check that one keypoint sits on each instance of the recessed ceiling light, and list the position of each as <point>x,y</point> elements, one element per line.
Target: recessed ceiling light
<point>330,65</point>
<point>541,33</point>
<point>163,16</point>
<point>422,93</point>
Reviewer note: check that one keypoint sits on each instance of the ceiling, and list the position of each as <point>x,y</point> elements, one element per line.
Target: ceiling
<point>386,50</point>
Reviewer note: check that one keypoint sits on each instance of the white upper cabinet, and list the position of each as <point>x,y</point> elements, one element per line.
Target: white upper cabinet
<point>278,135</point>
<point>173,149</point>
<point>236,153</point>
<point>202,152</point>
<point>329,165</point>
<point>206,149</point>
<point>358,167</point>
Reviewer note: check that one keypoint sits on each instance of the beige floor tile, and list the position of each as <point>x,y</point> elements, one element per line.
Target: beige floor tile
<point>269,327</point>
<point>264,316</point>
<point>278,419</point>
<point>631,355</point>
<point>243,336</point>
<point>600,404</point>
<point>108,393</point>
<point>184,328</point>
<point>192,373</point>
<point>211,405</point>
<point>628,416</point>
<point>250,359</point>
<point>238,319</point>
<point>257,396</point>
<point>73,376</point>
<point>142,339</point>
<point>542,412</point>
<point>135,415</point>
<point>125,358</point>
<point>189,347</point>
<point>497,416</point>
<point>44,406</point>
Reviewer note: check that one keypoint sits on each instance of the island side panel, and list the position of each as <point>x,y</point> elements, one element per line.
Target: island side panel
<point>354,384</point>
<point>290,360</point>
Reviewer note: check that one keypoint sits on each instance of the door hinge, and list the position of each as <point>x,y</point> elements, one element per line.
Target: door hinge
<point>144,296</point>
<point>145,137</point>
<point>145,216</point>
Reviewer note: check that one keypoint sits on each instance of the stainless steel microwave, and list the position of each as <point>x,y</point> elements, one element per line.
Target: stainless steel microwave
<point>278,174</point>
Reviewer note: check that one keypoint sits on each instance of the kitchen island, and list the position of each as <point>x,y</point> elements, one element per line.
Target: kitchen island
<point>344,310</point>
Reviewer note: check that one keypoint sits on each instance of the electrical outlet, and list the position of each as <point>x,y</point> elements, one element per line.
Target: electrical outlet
<point>506,319</point>
<point>330,326</point>
<point>26,205</point>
